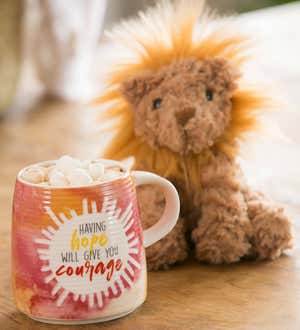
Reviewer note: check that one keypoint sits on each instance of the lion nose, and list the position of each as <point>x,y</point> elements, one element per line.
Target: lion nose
<point>185,115</point>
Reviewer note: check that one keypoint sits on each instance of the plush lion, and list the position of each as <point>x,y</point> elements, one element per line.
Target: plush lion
<point>178,105</point>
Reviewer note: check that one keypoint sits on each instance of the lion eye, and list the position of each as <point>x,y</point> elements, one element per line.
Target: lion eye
<point>156,103</point>
<point>209,95</point>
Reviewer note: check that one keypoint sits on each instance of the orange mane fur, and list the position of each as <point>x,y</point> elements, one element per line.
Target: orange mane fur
<point>168,32</point>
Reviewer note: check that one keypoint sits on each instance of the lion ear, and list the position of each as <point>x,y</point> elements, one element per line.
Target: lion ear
<point>135,88</point>
<point>224,73</point>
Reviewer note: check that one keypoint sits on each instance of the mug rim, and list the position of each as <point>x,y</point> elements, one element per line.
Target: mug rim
<point>124,168</point>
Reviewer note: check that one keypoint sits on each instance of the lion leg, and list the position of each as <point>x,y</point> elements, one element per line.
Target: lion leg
<point>173,247</point>
<point>272,231</point>
<point>223,232</point>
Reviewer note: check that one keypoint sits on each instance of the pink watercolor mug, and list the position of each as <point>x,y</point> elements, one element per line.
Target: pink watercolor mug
<point>78,252</point>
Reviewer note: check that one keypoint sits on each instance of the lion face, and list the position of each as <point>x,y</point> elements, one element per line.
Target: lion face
<point>185,106</point>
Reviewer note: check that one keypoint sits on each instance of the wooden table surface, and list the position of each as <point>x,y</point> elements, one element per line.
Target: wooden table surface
<point>250,295</point>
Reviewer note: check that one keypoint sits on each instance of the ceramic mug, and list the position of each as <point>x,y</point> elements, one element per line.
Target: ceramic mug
<point>78,252</point>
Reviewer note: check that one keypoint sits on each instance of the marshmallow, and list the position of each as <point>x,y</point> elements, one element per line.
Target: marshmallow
<point>57,178</point>
<point>66,164</point>
<point>86,163</point>
<point>34,174</point>
<point>79,177</point>
<point>96,170</point>
<point>110,174</point>
<point>48,171</point>
<point>67,171</point>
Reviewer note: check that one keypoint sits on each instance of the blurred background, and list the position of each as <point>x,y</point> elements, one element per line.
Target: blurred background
<point>53,44</point>
<point>119,8</point>
<point>53,53</point>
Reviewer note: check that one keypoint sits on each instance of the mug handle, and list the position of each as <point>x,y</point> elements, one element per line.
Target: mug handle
<point>171,212</point>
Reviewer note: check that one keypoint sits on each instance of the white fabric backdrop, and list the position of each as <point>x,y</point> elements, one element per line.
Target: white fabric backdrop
<point>272,162</point>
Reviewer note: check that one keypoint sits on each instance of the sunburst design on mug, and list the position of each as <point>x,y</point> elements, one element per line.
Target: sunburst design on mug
<point>120,230</point>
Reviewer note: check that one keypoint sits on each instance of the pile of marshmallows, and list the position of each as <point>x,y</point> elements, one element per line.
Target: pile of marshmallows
<point>68,171</point>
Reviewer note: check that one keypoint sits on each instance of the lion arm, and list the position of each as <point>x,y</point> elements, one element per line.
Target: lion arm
<point>223,230</point>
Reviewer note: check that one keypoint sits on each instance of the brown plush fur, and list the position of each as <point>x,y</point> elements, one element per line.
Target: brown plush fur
<point>183,111</point>
<point>172,248</point>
